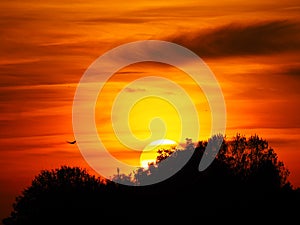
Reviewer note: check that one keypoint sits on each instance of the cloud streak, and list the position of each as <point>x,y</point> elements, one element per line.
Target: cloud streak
<point>233,39</point>
<point>133,90</point>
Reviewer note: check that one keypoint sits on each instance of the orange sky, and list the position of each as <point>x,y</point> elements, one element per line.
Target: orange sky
<point>253,49</point>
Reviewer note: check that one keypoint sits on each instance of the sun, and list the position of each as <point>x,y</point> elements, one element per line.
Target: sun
<point>149,153</point>
<point>145,163</point>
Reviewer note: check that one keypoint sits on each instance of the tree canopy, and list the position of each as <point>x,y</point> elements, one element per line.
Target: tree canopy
<point>245,176</point>
<point>251,161</point>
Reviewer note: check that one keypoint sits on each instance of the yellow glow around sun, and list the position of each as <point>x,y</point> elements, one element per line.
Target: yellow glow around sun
<point>149,153</point>
<point>146,106</point>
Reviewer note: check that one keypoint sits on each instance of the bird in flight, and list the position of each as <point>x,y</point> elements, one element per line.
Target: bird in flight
<point>71,142</point>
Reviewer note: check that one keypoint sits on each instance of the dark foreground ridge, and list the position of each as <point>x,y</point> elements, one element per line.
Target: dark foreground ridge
<point>245,183</point>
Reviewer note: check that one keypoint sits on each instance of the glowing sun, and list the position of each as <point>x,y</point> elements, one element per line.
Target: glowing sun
<point>149,153</point>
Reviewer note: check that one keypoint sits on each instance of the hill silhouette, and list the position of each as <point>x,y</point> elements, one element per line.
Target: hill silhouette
<point>246,182</point>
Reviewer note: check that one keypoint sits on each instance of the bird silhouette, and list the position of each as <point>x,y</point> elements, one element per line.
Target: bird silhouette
<point>71,142</point>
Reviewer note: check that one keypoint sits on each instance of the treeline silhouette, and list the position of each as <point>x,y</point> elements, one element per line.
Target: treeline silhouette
<point>246,182</point>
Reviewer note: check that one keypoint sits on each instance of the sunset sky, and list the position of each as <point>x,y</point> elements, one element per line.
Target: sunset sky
<point>252,47</point>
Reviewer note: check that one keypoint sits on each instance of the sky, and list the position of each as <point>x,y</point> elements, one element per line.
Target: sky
<point>252,48</point>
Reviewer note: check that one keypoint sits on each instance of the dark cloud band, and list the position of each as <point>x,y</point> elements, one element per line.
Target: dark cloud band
<point>239,40</point>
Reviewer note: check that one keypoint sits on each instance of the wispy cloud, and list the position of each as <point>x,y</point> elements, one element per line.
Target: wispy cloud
<point>293,70</point>
<point>234,39</point>
<point>132,90</point>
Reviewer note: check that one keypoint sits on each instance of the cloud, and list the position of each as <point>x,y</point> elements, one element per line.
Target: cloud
<point>292,70</point>
<point>119,20</point>
<point>132,90</point>
<point>234,39</point>
<point>283,141</point>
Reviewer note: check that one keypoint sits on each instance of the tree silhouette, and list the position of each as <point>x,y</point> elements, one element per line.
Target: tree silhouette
<point>245,175</point>
<point>164,154</point>
<point>55,194</point>
<point>245,180</point>
<point>254,162</point>
<point>251,161</point>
